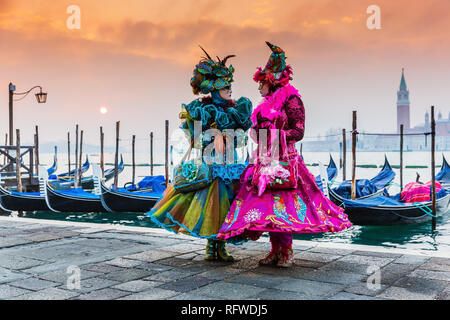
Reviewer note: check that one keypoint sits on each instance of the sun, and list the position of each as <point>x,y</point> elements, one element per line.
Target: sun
<point>103,110</point>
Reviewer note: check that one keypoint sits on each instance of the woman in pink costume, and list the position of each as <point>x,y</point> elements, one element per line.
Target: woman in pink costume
<point>278,194</point>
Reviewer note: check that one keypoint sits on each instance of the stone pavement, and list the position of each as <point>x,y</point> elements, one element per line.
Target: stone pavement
<point>42,260</point>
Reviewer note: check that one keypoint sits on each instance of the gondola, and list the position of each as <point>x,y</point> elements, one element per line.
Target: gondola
<point>385,210</point>
<point>87,183</point>
<point>71,174</point>
<point>73,200</point>
<point>332,172</point>
<point>365,188</point>
<point>22,201</point>
<point>139,198</point>
<point>443,176</point>
<point>54,167</point>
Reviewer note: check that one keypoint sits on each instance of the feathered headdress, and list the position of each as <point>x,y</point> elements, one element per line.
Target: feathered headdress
<point>210,75</point>
<point>276,72</point>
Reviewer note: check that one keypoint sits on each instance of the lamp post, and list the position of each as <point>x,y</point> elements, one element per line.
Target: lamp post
<point>41,97</point>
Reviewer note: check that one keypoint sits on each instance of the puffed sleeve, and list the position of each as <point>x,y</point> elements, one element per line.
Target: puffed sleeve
<point>295,112</point>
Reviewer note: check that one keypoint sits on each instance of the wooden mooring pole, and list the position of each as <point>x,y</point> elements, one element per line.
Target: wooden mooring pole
<point>344,154</point>
<point>433,177</point>
<point>401,157</point>
<point>68,152</point>
<point>6,143</point>
<point>133,154</point>
<point>18,162</point>
<point>354,156</point>
<point>75,177</point>
<point>116,157</point>
<point>151,154</point>
<point>80,160</point>
<point>102,155</point>
<point>36,149</point>
<point>167,153</point>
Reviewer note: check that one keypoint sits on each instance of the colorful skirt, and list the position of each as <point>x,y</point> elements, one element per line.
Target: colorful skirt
<point>198,213</point>
<point>302,210</point>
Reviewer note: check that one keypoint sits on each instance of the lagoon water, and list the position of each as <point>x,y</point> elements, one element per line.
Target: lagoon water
<point>417,237</point>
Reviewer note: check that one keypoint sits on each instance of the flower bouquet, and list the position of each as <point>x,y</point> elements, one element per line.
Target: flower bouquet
<point>276,175</point>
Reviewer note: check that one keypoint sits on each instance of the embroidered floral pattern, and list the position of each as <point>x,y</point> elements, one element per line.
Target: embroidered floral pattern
<point>252,215</point>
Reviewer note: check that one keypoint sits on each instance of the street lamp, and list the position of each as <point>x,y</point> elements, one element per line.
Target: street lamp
<point>41,97</point>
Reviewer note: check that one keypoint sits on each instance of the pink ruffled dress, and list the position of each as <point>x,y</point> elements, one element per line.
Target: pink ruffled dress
<point>260,208</point>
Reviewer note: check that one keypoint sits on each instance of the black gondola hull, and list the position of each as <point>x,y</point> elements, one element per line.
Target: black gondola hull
<point>24,203</point>
<point>120,202</point>
<point>395,215</point>
<point>66,203</point>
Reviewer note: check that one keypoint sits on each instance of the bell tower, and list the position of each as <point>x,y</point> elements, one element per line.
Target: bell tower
<point>403,105</point>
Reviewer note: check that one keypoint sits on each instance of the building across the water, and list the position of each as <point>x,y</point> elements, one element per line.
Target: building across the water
<point>403,115</point>
<point>417,140</point>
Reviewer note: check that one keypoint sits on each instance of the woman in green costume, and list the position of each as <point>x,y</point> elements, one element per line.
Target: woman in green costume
<point>200,213</point>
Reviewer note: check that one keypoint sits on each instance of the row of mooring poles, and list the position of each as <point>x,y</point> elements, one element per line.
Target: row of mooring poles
<point>79,152</point>
<point>433,161</point>
<point>77,177</point>
<point>116,154</point>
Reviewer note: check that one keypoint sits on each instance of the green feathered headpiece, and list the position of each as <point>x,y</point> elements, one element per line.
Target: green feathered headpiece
<point>210,75</point>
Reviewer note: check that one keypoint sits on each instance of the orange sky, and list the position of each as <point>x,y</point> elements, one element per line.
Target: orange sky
<point>136,58</point>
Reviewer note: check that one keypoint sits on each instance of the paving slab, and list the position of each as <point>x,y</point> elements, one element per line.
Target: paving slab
<point>257,279</point>
<point>393,272</point>
<point>412,259</point>
<point>367,260</point>
<point>170,275</point>
<point>18,263</point>
<point>221,273</point>
<point>228,291</point>
<point>34,284</point>
<point>9,276</point>
<point>103,294</point>
<point>7,291</point>
<point>152,294</point>
<point>124,263</point>
<point>91,284</point>
<point>310,289</point>
<point>136,285</point>
<point>187,284</point>
<point>429,265</point>
<point>276,294</point>
<point>350,296</point>
<point>316,256</point>
<point>398,293</point>
<point>362,288</point>
<point>333,276</point>
<point>61,276</point>
<point>151,256</point>
<point>437,275</point>
<point>47,294</point>
<point>126,275</point>
<point>428,287</point>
